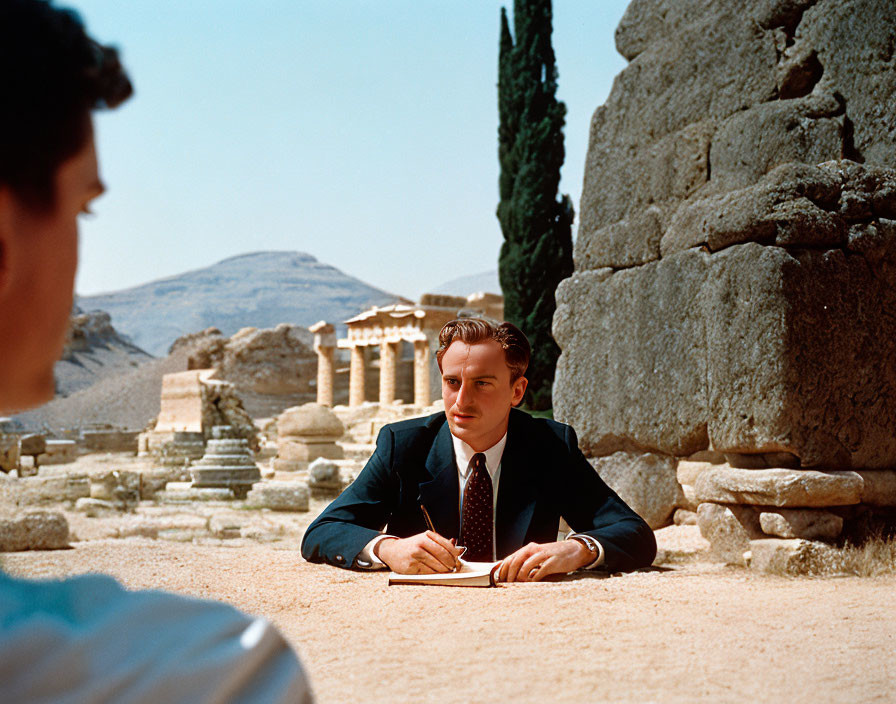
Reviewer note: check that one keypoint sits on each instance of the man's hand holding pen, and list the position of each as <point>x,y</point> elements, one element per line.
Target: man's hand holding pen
<point>424,553</point>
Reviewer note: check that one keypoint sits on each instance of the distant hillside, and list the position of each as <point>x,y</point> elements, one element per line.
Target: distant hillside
<point>94,350</point>
<point>126,400</point>
<point>486,282</point>
<point>261,289</point>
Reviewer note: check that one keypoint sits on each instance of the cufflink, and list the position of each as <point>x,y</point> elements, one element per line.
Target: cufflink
<point>340,559</point>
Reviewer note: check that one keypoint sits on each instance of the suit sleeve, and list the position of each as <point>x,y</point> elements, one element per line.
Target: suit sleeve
<point>591,507</point>
<point>358,515</point>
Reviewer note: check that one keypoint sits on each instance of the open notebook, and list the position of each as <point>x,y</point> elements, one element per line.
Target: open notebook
<point>470,574</point>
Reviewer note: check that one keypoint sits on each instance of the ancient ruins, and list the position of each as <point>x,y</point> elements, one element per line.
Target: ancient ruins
<point>728,343</point>
<point>734,271</point>
<point>237,430</point>
<point>392,330</point>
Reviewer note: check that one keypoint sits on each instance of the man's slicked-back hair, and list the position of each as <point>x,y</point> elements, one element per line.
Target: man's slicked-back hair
<point>51,76</point>
<point>474,330</point>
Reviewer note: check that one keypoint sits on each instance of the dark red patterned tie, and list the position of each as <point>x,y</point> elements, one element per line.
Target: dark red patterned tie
<point>476,523</point>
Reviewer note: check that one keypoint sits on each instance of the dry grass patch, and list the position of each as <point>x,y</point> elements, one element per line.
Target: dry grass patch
<point>875,557</point>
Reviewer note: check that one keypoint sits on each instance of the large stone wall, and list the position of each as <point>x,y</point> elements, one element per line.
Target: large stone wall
<point>736,256</point>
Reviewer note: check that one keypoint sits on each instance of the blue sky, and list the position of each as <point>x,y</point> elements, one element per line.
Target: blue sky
<point>361,132</point>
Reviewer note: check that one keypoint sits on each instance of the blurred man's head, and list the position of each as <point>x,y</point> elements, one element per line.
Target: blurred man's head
<point>52,75</point>
<point>483,367</point>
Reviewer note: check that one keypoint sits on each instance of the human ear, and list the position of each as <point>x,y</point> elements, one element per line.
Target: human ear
<point>519,390</point>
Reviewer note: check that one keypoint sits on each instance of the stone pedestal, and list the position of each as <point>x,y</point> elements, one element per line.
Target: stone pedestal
<point>306,433</point>
<point>227,463</point>
<point>279,496</point>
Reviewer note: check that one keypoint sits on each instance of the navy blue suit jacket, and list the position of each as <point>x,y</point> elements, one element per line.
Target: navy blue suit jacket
<point>543,476</point>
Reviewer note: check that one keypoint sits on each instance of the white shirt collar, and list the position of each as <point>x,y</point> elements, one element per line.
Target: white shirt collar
<point>463,453</point>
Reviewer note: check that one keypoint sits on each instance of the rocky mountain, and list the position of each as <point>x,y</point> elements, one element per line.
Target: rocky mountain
<point>485,282</point>
<point>260,289</point>
<point>94,350</point>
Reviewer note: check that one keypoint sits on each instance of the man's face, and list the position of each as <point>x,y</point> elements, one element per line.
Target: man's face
<point>478,393</point>
<point>38,259</point>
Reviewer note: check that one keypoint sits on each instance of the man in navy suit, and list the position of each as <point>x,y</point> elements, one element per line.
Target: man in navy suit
<point>486,475</point>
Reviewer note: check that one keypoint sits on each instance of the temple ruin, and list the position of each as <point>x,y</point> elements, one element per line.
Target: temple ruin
<point>402,336</point>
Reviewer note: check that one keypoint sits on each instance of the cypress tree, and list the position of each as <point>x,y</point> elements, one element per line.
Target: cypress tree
<point>537,250</point>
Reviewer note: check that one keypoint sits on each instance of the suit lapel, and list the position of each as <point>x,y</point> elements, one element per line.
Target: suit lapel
<point>516,490</point>
<point>439,491</point>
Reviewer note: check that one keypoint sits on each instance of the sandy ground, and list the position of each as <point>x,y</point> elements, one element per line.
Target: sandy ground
<point>691,631</point>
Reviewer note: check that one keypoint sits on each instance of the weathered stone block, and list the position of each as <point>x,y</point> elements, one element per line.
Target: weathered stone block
<point>36,530</point>
<point>751,350</point>
<point>323,470</point>
<point>668,170</point>
<point>713,62</point>
<point>180,492</point>
<point>791,557</point>
<point>752,142</point>
<point>633,367</point>
<point>279,496</point>
<point>95,507</point>
<point>58,452</point>
<point>110,440</point>
<point>154,480</point>
<point>794,204</point>
<point>779,487</point>
<point>729,530</point>
<point>35,490</point>
<point>310,420</point>
<point>292,450</point>
<point>115,485</point>
<point>854,41</point>
<point>649,22</point>
<point>687,471</point>
<point>645,481</point>
<point>684,517</point>
<point>9,452</point>
<point>623,244</point>
<point>808,524</point>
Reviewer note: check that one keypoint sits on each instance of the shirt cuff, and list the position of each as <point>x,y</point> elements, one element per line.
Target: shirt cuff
<point>592,544</point>
<point>367,560</point>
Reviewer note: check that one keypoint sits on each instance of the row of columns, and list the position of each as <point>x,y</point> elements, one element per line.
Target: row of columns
<point>325,346</point>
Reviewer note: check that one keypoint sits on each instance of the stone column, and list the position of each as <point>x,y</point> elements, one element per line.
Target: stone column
<point>421,373</point>
<point>325,346</point>
<point>388,357</point>
<point>356,376</point>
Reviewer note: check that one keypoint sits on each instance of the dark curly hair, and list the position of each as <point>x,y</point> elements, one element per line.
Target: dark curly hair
<point>51,76</point>
<point>474,330</point>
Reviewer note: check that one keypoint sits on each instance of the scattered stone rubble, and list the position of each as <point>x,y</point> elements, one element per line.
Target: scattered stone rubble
<point>192,404</point>
<point>36,530</point>
<point>735,269</point>
<point>279,496</point>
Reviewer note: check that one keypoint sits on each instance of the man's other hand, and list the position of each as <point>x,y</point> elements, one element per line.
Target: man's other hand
<point>424,553</point>
<point>535,561</point>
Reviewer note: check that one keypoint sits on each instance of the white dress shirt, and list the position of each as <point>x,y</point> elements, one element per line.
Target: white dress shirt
<point>463,456</point>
